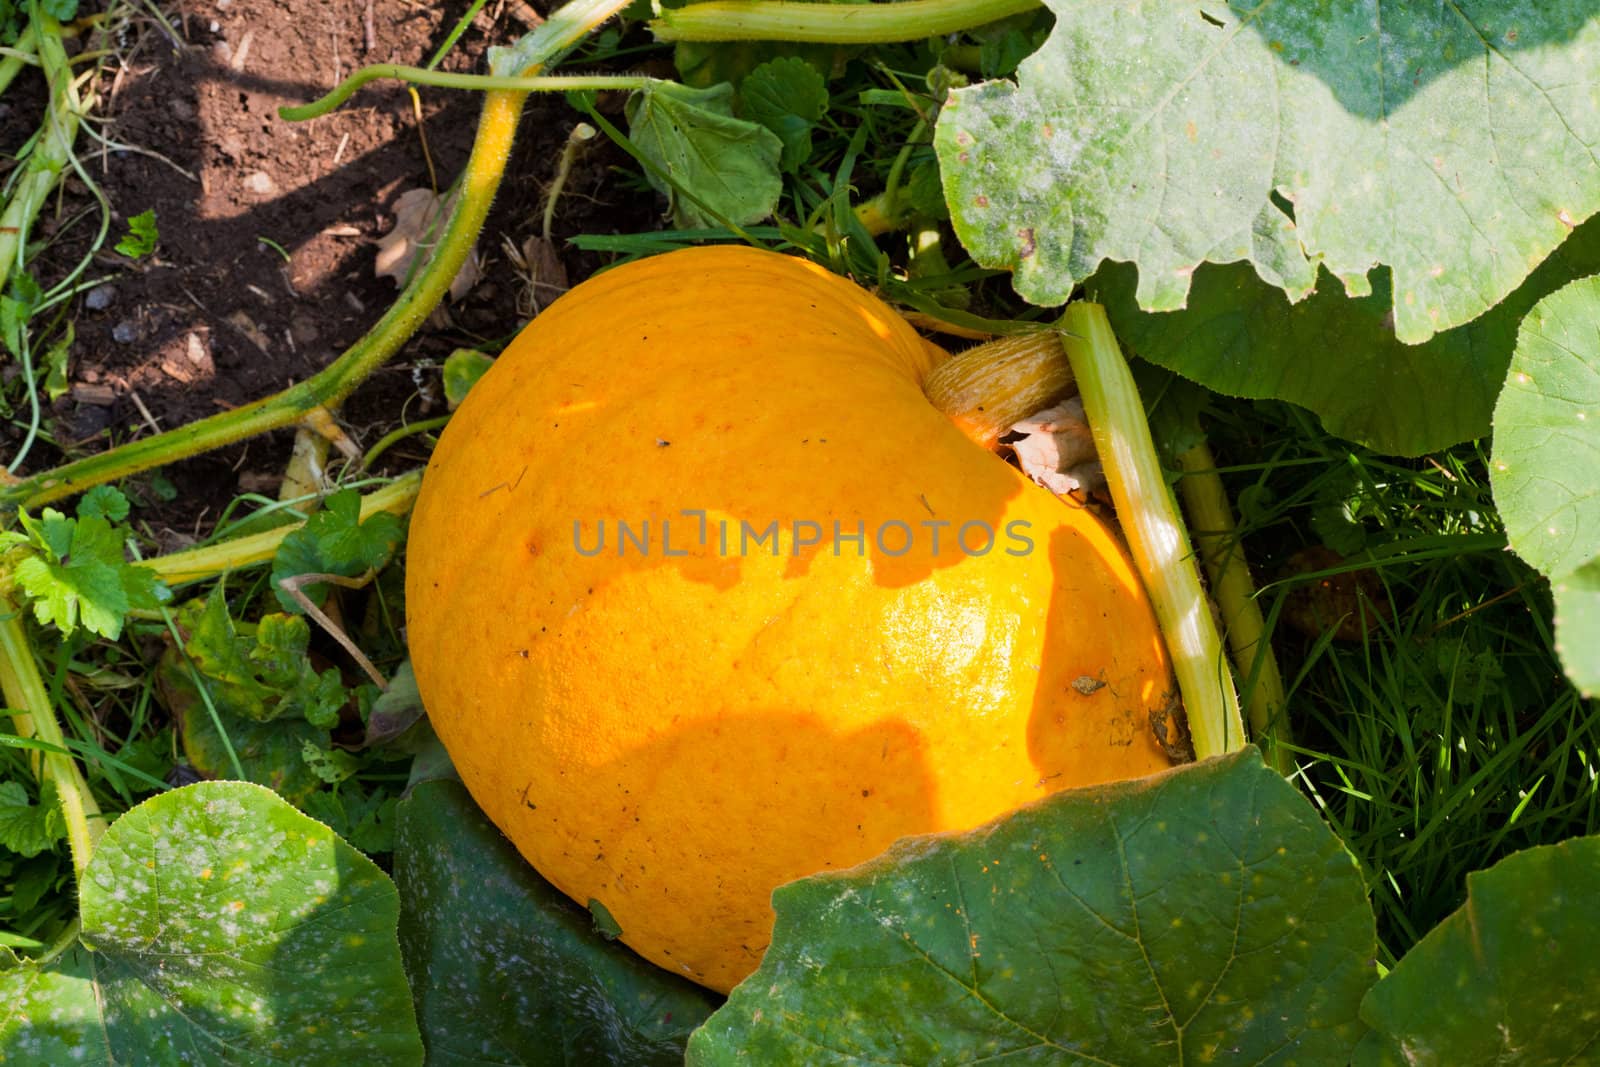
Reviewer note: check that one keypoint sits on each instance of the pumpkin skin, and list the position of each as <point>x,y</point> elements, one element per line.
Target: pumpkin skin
<point>675,731</point>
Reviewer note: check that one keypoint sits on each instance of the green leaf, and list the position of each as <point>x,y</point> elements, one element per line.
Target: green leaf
<point>1545,468</point>
<point>52,532</point>
<point>270,700</point>
<point>1507,979</point>
<point>1577,597</point>
<point>729,167</point>
<point>56,356</point>
<point>80,576</point>
<point>366,820</point>
<point>335,541</point>
<point>1338,356</point>
<point>605,924</point>
<point>269,752</point>
<point>258,671</point>
<point>16,308</point>
<point>508,970</point>
<point>1203,914</point>
<point>60,10</point>
<point>35,878</point>
<point>331,765</point>
<point>86,594</point>
<point>106,501</point>
<point>462,369</point>
<point>1452,143</point>
<point>226,928</point>
<point>140,240</point>
<point>789,97</point>
<point>704,64</point>
<point>27,828</point>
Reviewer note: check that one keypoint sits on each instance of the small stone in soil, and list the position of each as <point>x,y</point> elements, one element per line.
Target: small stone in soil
<point>100,297</point>
<point>125,332</point>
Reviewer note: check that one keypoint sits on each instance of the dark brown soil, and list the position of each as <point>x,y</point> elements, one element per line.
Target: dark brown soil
<point>268,230</point>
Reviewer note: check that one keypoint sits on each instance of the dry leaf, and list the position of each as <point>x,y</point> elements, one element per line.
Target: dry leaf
<point>419,218</point>
<point>543,275</point>
<point>1056,449</point>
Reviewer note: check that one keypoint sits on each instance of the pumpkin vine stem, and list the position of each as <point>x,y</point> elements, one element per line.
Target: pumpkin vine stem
<point>555,83</point>
<point>33,718</point>
<point>1211,521</point>
<point>787,20</point>
<point>1157,538</point>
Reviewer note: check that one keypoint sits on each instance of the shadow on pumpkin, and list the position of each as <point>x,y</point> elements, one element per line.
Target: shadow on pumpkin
<point>689,832</point>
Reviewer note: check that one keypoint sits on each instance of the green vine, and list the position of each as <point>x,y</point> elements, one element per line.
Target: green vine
<point>787,20</point>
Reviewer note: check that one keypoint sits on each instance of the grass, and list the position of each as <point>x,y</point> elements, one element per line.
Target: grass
<point>1442,735</point>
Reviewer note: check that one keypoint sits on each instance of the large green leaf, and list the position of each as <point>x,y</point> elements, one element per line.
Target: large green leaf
<point>1545,470</point>
<point>1546,465</point>
<point>1452,142</point>
<point>1577,598</point>
<point>1338,356</point>
<point>728,167</point>
<point>1508,979</point>
<point>1202,914</point>
<point>225,927</point>
<point>507,970</point>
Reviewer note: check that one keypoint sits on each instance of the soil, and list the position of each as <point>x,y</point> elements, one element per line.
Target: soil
<point>269,230</point>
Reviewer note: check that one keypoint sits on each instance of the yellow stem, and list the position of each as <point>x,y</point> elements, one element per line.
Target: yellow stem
<point>1211,521</point>
<point>32,716</point>
<point>1156,535</point>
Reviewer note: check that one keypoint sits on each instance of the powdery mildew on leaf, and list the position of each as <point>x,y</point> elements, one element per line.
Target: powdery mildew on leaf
<point>1509,978</point>
<point>227,928</point>
<point>1204,913</point>
<point>1453,142</point>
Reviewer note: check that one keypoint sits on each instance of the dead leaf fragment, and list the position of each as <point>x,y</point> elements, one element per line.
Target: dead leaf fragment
<point>1056,449</point>
<point>419,218</point>
<point>539,268</point>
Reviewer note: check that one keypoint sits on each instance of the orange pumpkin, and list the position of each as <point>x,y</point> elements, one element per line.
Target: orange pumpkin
<point>705,596</point>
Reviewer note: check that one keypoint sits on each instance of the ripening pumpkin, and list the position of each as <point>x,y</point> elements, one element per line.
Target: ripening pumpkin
<point>704,596</point>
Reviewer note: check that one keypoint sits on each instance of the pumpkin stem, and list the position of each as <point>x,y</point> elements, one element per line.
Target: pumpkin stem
<point>1157,538</point>
<point>991,387</point>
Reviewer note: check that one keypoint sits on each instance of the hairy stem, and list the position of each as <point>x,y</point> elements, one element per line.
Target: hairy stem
<point>1155,533</point>
<point>786,20</point>
<point>1211,519</point>
<point>32,716</point>
<point>445,80</point>
<point>991,387</point>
